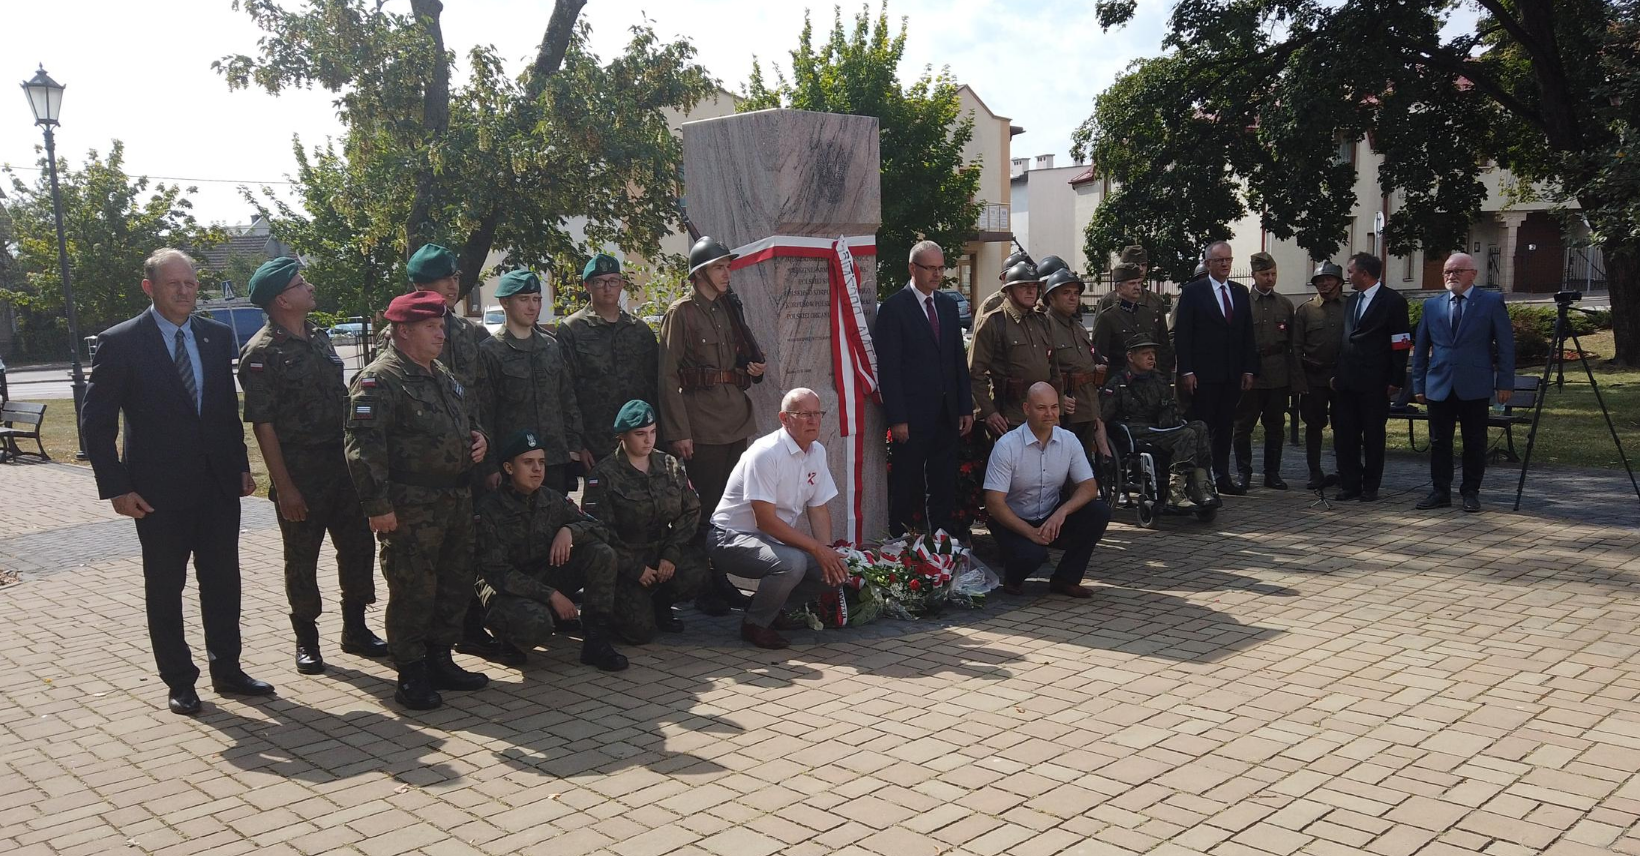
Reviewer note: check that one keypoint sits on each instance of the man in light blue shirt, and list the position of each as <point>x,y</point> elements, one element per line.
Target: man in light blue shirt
<point>168,334</point>
<point>1030,510</point>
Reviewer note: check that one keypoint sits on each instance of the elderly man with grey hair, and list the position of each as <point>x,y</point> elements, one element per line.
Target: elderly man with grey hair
<point>781,477</point>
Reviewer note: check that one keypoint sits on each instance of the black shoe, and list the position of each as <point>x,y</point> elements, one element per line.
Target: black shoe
<point>1316,483</point>
<point>475,640</point>
<point>1346,495</point>
<point>1330,481</point>
<point>595,647</point>
<point>1471,502</point>
<point>511,655</point>
<point>308,659</point>
<point>1436,499</point>
<point>1245,479</point>
<point>356,637</point>
<point>239,683</point>
<point>415,690</point>
<point>1274,482</point>
<point>1369,496</point>
<point>1228,485</point>
<point>667,621</point>
<point>444,674</point>
<point>184,702</point>
<point>731,593</point>
<point>712,603</point>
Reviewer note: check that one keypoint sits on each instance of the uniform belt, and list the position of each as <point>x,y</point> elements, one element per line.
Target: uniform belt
<point>446,482</point>
<point>1077,380</point>
<point>1272,350</point>
<point>703,378</point>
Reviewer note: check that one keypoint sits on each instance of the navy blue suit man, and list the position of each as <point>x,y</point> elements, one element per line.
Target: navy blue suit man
<point>183,471</point>
<point>1372,368</point>
<point>1217,359</point>
<point>1463,353</point>
<point>927,401</point>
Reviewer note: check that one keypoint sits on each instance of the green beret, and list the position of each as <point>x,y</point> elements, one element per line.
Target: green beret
<point>1263,261</point>
<point>271,280</point>
<point>432,262</point>
<point>521,441</point>
<point>634,414</point>
<point>518,282</point>
<point>599,265</point>
<point>1124,272</point>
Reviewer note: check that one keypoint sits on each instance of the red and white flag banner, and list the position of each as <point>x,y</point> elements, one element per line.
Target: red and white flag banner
<point>853,359</point>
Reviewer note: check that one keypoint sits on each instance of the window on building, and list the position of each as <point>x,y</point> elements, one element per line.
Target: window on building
<point>1346,150</point>
<point>1406,268</point>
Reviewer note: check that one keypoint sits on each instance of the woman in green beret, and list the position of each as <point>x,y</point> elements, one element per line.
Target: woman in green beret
<point>644,497</point>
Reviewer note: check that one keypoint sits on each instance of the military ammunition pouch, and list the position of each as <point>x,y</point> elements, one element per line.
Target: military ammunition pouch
<point>696,379</point>
<point>1077,380</point>
<point>430,481</point>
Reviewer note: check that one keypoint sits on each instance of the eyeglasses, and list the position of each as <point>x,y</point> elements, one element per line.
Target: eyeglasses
<point>810,415</point>
<point>611,282</point>
<point>929,268</point>
<point>1451,271</point>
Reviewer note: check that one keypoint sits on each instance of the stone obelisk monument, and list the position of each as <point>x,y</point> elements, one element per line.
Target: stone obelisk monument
<point>796,174</point>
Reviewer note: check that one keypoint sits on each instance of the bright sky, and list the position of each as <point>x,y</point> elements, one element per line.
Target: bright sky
<point>146,79</point>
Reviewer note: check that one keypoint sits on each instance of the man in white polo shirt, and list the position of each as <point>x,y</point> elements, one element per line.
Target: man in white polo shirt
<point>1030,510</point>
<point>754,530</point>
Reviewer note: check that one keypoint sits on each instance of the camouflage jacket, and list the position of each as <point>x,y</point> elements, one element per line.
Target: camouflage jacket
<point>295,385</point>
<point>613,362</point>
<point>654,512</point>
<point>459,357</point>
<point>408,434</point>
<point>1140,401</point>
<point>513,537</point>
<point>529,384</point>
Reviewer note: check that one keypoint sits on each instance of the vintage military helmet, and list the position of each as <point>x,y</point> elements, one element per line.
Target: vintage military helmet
<point>1022,272</point>
<point>1327,269</point>
<point>1049,266</point>
<point>1061,277</point>
<point>1014,259</point>
<point>705,251</point>
<point>1201,270</point>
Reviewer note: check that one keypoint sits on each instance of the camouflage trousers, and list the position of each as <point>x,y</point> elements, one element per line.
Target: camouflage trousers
<point>332,506</point>
<point>634,615</point>
<point>1188,444</point>
<point>428,563</point>
<point>527,622</point>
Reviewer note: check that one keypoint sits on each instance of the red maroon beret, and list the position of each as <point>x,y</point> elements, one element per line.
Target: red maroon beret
<point>415,306</point>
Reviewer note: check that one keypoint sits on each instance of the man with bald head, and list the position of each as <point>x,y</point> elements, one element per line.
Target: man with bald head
<point>1030,509</point>
<point>782,476</point>
<point>1464,351</point>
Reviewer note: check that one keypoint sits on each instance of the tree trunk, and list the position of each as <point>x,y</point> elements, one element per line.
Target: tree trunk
<point>475,250</point>
<point>419,227</point>
<point>1623,281</point>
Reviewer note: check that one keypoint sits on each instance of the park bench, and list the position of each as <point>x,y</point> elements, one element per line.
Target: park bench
<point>1517,412</point>
<point>20,419</point>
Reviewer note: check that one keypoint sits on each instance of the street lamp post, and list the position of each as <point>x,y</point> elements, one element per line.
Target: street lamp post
<point>45,96</point>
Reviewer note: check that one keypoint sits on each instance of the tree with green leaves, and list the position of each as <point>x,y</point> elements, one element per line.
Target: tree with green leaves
<point>1246,111</point>
<point>499,162</point>
<point>112,222</point>
<point>927,188</point>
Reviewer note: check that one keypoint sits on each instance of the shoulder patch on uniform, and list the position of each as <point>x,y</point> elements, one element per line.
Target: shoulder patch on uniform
<point>592,482</point>
<point>364,410</point>
<point>253,367</point>
<point>367,382</point>
<point>460,392</point>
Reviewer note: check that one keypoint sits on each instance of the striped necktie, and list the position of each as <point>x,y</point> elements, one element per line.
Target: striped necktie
<point>185,369</point>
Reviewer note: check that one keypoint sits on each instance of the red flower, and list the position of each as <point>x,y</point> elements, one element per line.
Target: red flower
<point>915,584</point>
<point>893,580</point>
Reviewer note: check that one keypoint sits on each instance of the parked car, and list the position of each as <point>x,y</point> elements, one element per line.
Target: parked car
<point>965,311</point>
<point>494,318</point>
<point>243,320</point>
<point>347,333</point>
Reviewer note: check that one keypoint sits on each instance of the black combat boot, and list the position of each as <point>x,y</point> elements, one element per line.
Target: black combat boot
<point>596,649</point>
<point>356,637</point>
<point>308,659</point>
<point>511,655</point>
<point>444,674</point>
<point>475,640</point>
<point>666,621</point>
<point>415,690</point>
<point>709,602</point>
<point>731,593</point>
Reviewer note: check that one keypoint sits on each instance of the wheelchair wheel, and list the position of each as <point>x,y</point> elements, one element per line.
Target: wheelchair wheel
<point>1147,498</point>
<point>1147,510</point>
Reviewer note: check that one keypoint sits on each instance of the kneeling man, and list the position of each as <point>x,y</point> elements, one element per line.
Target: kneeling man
<point>754,530</point>
<point>534,549</point>
<point>1029,509</point>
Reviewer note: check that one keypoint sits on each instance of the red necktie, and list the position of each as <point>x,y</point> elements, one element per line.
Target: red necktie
<point>1224,296</point>
<point>933,318</point>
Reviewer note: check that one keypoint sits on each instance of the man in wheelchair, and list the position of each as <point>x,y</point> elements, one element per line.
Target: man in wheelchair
<point>1140,400</point>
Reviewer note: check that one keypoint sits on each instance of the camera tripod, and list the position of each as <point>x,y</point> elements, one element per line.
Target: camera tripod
<point>1557,361</point>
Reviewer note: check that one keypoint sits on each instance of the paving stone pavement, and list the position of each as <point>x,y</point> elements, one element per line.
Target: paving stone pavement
<point>1285,680</point>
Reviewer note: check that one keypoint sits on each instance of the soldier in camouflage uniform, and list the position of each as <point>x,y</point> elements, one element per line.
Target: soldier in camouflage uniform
<point>1012,349</point>
<point>1318,336</point>
<point>1138,260</point>
<point>529,384</point>
<point>411,449</point>
<point>1131,315</point>
<point>643,495</point>
<point>1073,354</point>
<point>535,548</point>
<point>295,401</point>
<point>612,354</point>
<point>1138,398</point>
<point>1266,402</point>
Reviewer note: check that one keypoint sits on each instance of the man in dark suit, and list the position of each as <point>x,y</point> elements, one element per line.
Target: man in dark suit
<point>183,471</point>
<point>1464,351</point>
<point>927,402</point>
<point>1213,341</point>
<point>1372,368</point>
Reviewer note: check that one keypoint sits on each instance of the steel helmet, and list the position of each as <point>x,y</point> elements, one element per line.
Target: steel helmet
<point>705,251</point>
<point>1049,266</point>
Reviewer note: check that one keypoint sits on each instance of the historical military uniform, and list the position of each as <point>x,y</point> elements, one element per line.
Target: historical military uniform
<point>1153,307</point>
<point>294,384</point>
<point>409,451</point>
<point>1073,356</point>
<point>530,386</point>
<point>1266,402</point>
<point>1145,404</point>
<point>654,516</point>
<point>1318,335</point>
<point>613,362</point>
<point>995,299</point>
<point>517,577</point>
<point>1012,349</point>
